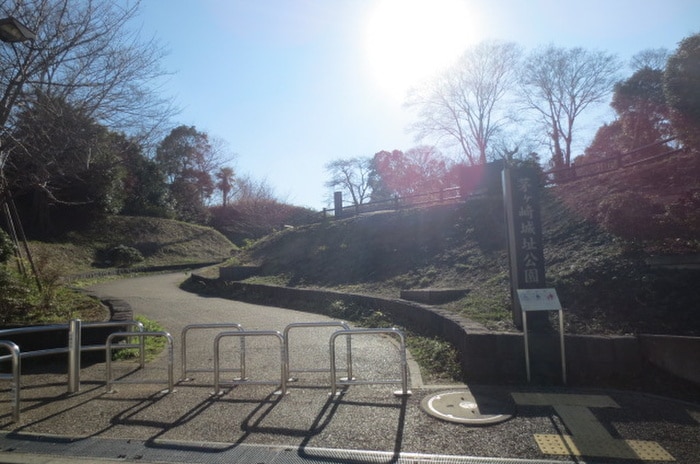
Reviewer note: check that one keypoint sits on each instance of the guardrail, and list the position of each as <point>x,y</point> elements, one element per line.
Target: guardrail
<point>74,349</point>
<point>402,351</point>
<point>74,329</point>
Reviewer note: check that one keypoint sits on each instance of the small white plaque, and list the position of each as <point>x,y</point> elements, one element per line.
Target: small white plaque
<point>539,299</point>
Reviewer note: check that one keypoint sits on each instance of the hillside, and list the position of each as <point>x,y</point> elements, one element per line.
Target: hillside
<point>160,241</point>
<point>602,280</point>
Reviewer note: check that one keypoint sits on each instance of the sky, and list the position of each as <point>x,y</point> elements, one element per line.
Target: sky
<point>290,85</point>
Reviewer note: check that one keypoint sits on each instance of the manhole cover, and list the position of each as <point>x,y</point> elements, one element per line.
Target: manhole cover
<point>463,407</point>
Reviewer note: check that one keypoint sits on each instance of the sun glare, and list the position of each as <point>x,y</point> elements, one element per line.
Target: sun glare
<point>410,40</point>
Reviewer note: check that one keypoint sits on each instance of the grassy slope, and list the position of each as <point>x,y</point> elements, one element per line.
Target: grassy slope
<point>161,241</point>
<point>602,280</point>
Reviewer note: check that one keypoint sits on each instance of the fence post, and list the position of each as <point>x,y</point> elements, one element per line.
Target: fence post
<point>74,343</point>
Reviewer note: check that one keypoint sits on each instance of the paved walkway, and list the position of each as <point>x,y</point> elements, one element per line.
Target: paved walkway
<point>366,423</point>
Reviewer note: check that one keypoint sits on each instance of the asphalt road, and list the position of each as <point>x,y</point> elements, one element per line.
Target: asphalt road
<point>363,417</point>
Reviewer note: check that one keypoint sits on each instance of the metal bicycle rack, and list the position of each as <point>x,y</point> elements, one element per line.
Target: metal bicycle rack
<point>316,324</point>
<point>402,349</point>
<point>183,339</point>
<point>243,380</point>
<point>14,376</point>
<point>108,357</point>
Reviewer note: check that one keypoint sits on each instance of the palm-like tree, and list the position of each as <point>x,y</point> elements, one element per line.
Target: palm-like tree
<point>225,181</point>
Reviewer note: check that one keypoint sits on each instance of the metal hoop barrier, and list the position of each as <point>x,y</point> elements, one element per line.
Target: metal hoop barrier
<point>183,338</point>
<point>14,376</point>
<point>316,324</point>
<point>243,380</point>
<point>108,356</point>
<point>402,349</point>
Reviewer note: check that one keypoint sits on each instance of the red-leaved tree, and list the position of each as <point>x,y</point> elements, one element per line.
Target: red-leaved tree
<point>418,171</point>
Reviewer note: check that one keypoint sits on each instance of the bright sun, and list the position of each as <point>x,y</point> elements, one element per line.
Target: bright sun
<point>410,40</point>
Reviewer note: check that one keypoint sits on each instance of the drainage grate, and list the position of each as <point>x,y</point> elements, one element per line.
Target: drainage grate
<point>205,453</point>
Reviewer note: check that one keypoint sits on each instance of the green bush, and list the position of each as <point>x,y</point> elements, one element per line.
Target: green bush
<point>124,256</point>
<point>15,298</point>
<point>438,358</point>
<point>153,345</point>
<point>23,302</point>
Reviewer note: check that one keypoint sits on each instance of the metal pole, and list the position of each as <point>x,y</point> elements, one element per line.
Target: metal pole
<point>348,356</point>
<point>16,377</point>
<point>332,356</point>
<point>74,343</point>
<point>563,354</point>
<point>171,362</point>
<point>142,350</point>
<point>217,350</point>
<point>404,367</point>
<point>217,390</point>
<point>284,368</point>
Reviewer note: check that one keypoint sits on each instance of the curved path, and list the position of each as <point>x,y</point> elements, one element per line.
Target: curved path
<point>159,298</point>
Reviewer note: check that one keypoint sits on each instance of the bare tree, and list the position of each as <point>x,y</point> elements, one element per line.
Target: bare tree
<point>351,176</point>
<point>85,53</point>
<point>653,58</point>
<point>465,104</point>
<point>250,190</point>
<point>559,84</point>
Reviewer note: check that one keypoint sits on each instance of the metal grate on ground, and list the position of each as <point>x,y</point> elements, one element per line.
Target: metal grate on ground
<point>205,453</point>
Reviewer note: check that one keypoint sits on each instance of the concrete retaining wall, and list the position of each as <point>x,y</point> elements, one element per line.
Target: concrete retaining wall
<point>488,357</point>
<point>231,273</point>
<point>677,355</point>
<point>433,296</point>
